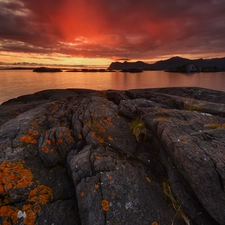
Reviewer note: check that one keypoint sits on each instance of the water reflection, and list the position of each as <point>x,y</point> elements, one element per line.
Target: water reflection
<point>14,83</point>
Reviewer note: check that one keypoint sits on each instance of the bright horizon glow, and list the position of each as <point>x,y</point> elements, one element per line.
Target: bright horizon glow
<point>24,59</point>
<point>57,59</point>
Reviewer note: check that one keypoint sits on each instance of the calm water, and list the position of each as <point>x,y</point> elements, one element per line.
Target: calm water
<point>14,83</point>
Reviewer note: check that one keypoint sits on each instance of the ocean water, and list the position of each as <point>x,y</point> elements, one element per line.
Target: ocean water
<point>14,83</point>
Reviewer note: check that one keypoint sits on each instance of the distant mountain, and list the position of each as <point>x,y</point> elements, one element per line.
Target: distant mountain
<point>128,65</point>
<point>169,63</point>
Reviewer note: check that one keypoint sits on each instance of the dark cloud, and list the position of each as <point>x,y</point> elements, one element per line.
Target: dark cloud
<point>139,29</point>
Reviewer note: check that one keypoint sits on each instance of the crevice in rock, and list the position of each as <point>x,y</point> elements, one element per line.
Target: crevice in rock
<point>102,198</point>
<point>220,179</point>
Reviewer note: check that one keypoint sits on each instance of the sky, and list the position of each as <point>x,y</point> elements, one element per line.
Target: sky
<point>97,32</point>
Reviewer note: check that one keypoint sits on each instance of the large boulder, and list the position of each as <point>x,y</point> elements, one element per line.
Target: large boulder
<point>150,156</point>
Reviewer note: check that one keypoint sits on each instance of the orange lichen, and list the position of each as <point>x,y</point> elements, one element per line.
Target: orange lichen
<point>82,194</point>
<point>110,178</point>
<point>51,106</point>
<point>37,208</point>
<point>37,197</point>
<point>59,141</point>
<point>9,213</point>
<point>108,121</point>
<point>2,190</point>
<point>14,175</point>
<point>154,223</point>
<point>28,139</point>
<point>35,124</point>
<point>30,218</point>
<point>96,186</point>
<point>26,207</point>
<point>6,200</point>
<point>105,205</point>
<point>40,195</point>
<point>45,149</point>
<point>110,138</point>
<point>6,222</point>
<point>148,179</point>
<point>101,140</point>
<point>98,157</point>
<point>4,210</point>
<point>33,132</point>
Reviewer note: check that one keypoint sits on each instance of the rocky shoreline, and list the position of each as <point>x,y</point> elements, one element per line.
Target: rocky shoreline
<point>146,156</point>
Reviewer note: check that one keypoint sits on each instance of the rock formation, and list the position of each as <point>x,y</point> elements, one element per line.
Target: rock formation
<point>132,70</point>
<point>46,69</point>
<point>191,68</point>
<point>187,68</point>
<point>148,157</point>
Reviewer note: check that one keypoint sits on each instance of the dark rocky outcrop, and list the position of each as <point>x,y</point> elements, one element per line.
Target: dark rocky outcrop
<point>132,70</point>
<point>127,65</point>
<point>47,69</point>
<point>149,156</point>
<point>191,68</point>
<point>218,63</point>
<point>187,68</point>
<point>88,70</point>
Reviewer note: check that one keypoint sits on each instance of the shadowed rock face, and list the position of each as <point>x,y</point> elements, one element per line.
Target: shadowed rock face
<point>151,156</point>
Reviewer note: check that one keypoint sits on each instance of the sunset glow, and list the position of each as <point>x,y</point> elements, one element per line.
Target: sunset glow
<point>99,32</point>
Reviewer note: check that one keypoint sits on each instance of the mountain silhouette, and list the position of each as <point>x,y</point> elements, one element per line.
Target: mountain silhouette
<point>168,63</point>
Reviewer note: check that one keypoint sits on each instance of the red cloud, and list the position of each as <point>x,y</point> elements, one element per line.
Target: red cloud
<point>104,28</point>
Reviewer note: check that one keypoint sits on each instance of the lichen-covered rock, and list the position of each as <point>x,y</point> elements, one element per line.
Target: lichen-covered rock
<point>54,145</point>
<point>151,156</point>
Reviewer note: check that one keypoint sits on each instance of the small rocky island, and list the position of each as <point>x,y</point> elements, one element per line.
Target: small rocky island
<point>47,69</point>
<point>137,157</point>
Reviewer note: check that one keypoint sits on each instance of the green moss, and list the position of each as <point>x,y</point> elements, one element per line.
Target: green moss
<point>138,128</point>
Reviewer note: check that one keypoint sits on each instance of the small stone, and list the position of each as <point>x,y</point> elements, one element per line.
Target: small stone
<point>21,214</point>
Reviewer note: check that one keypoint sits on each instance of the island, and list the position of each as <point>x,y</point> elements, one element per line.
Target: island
<point>84,157</point>
<point>174,64</point>
<point>132,70</point>
<point>192,68</point>
<point>88,70</point>
<point>47,69</point>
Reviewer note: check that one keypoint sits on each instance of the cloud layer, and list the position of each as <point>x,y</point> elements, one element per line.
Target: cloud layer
<point>133,29</point>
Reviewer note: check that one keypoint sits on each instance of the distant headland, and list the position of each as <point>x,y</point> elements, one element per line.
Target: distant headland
<point>174,64</point>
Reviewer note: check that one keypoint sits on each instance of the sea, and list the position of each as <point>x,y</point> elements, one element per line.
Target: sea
<point>14,83</point>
